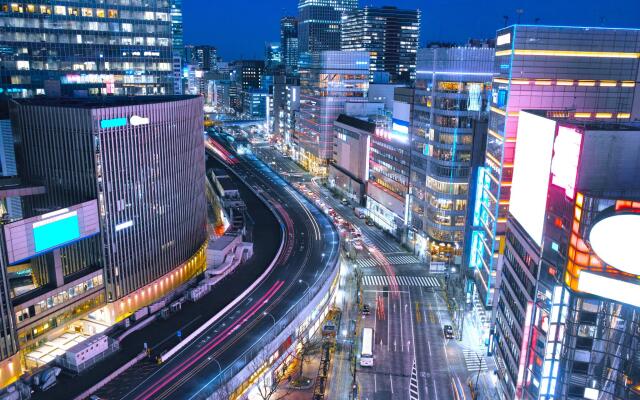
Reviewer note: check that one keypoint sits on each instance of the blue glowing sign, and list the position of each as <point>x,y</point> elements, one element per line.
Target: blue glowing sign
<point>400,130</point>
<point>57,231</point>
<point>113,123</point>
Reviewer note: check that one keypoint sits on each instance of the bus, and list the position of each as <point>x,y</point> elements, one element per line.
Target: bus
<point>366,355</point>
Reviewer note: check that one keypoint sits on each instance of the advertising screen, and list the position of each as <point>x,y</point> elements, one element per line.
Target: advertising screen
<point>566,155</point>
<point>56,231</point>
<point>30,237</point>
<point>532,166</point>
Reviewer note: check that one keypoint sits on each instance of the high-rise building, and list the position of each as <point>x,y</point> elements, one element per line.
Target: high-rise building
<point>453,86</point>
<point>391,37</point>
<point>204,57</point>
<point>282,85</point>
<point>390,163</point>
<point>319,24</point>
<point>289,43</point>
<point>94,47</point>
<point>152,206</point>
<point>272,56</point>
<point>589,73</point>
<point>249,73</point>
<point>567,310</point>
<point>332,79</point>
<point>178,44</point>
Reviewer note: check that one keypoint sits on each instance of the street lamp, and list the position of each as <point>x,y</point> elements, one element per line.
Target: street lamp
<point>305,282</point>
<point>272,317</point>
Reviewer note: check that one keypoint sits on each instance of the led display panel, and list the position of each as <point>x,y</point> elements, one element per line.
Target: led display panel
<point>615,241</point>
<point>609,288</point>
<point>532,166</point>
<point>30,237</point>
<point>566,156</point>
<point>56,231</point>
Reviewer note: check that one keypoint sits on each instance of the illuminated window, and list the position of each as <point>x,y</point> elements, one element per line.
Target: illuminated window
<point>31,8</point>
<point>100,13</point>
<point>73,11</point>
<point>16,8</point>
<point>60,10</point>
<point>113,13</point>
<point>45,10</point>
<point>87,12</point>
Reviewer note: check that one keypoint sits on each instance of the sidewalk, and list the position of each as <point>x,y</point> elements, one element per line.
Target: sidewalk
<point>472,341</point>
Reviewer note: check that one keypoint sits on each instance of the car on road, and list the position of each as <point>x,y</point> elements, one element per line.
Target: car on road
<point>366,310</point>
<point>344,201</point>
<point>369,222</point>
<point>448,331</point>
<point>360,212</point>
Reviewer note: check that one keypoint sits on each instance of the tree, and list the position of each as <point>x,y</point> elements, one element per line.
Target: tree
<point>269,386</point>
<point>306,350</point>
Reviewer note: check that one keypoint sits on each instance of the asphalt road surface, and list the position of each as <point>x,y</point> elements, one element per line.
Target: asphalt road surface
<point>310,252</point>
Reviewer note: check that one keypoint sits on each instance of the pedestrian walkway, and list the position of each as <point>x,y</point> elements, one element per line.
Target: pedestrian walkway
<point>393,260</point>
<point>475,361</point>
<point>383,280</point>
<point>413,384</point>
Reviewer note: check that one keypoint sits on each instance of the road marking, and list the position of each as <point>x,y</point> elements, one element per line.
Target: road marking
<point>391,381</point>
<point>413,384</point>
<point>384,280</point>
<point>475,361</point>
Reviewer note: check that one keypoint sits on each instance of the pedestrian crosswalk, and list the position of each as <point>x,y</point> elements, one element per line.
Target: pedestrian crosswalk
<point>383,280</point>
<point>393,260</point>
<point>413,384</point>
<point>475,361</point>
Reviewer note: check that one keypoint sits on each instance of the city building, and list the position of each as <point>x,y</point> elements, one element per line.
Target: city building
<point>391,36</point>
<point>289,43</point>
<point>283,105</point>
<point>177,33</point>
<point>151,201</point>
<point>272,56</point>
<point>248,73</point>
<point>93,47</point>
<point>349,167</point>
<point>332,79</point>
<point>453,86</point>
<point>590,73</point>
<point>319,24</point>
<point>567,310</point>
<point>389,166</point>
<point>204,57</point>
<point>256,103</point>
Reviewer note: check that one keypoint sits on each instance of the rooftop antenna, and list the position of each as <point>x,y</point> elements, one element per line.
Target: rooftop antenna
<point>519,11</point>
<point>506,19</point>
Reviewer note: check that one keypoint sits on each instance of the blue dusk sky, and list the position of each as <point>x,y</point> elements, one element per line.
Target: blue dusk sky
<point>239,28</point>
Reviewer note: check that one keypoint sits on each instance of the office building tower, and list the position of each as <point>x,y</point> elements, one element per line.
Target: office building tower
<point>590,73</point>
<point>272,56</point>
<point>204,57</point>
<point>319,24</point>
<point>93,47</point>
<point>283,105</point>
<point>248,73</point>
<point>289,43</point>
<point>453,86</point>
<point>391,36</point>
<point>389,165</point>
<point>567,311</point>
<point>332,79</point>
<point>151,202</point>
<point>177,43</point>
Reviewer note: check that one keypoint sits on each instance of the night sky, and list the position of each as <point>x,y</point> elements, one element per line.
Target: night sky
<point>239,28</point>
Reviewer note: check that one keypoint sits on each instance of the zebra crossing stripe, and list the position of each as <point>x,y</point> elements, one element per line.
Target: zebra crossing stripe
<point>413,386</point>
<point>474,361</point>
<point>401,280</point>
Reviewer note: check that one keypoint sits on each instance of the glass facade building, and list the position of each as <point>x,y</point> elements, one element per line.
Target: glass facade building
<point>151,203</point>
<point>319,24</point>
<point>566,320</point>
<point>122,47</point>
<point>452,91</point>
<point>289,43</point>
<point>587,73</point>
<point>332,79</point>
<point>391,36</point>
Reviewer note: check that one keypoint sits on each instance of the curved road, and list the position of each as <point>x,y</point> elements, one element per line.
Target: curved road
<point>310,252</point>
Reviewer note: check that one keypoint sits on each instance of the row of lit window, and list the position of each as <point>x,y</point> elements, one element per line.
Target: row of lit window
<point>80,11</point>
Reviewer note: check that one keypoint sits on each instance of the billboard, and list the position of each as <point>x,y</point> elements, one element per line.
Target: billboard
<point>566,156</point>
<point>532,167</point>
<point>30,237</point>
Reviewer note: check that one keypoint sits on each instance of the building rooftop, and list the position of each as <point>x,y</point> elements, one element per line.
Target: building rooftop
<point>587,124</point>
<point>99,101</point>
<point>357,123</point>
